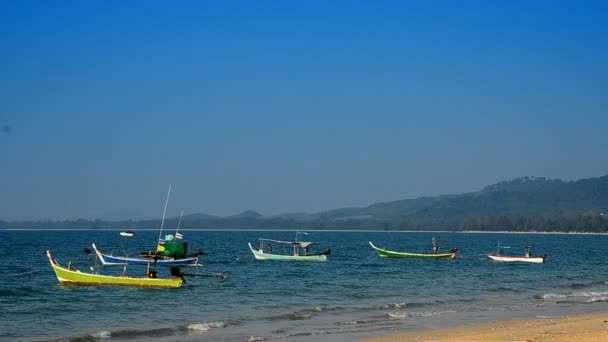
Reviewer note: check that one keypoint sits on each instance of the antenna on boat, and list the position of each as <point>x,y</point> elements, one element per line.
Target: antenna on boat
<point>162,222</point>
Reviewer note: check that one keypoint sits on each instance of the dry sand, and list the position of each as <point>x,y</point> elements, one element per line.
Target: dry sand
<point>587,328</point>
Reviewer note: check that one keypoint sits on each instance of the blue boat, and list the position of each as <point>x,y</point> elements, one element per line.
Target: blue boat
<point>146,259</point>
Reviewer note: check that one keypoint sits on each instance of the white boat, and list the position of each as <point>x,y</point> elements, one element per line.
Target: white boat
<point>127,233</point>
<point>300,251</point>
<point>527,257</point>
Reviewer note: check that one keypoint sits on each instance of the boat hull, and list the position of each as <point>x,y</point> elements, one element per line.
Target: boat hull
<point>385,253</point>
<point>111,260</point>
<point>261,256</point>
<point>506,258</point>
<point>73,277</point>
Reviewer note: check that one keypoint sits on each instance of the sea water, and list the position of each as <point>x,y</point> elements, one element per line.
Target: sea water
<point>354,294</point>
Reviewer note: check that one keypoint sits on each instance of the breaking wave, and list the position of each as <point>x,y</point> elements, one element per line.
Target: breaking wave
<point>572,297</point>
<point>413,314</point>
<point>151,333</point>
<point>202,327</point>
<point>101,334</point>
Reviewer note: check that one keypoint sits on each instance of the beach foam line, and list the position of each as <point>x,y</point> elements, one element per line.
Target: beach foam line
<point>588,328</point>
<point>202,327</point>
<point>585,294</point>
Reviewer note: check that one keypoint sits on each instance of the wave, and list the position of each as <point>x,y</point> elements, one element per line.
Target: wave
<point>410,314</point>
<point>119,334</point>
<point>595,296</point>
<point>301,314</point>
<point>596,299</point>
<point>357,322</point>
<point>128,333</point>
<point>413,314</point>
<point>548,296</point>
<point>393,306</point>
<point>151,333</point>
<point>202,327</point>
<point>576,286</point>
<point>402,305</point>
<point>101,334</point>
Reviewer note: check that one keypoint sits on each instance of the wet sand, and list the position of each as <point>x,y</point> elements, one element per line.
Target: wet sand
<point>588,328</point>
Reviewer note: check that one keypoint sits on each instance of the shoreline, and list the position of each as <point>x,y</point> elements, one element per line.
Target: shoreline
<point>586,327</point>
<point>320,230</point>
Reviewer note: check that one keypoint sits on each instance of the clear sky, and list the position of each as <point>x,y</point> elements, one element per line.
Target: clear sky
<point>291,106</point>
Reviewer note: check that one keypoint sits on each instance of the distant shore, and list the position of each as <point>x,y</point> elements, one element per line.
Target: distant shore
<point>320,230</point>
<point>589,328</point>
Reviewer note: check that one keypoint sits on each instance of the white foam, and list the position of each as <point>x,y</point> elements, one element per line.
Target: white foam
<point>255,339</point>
<point>397,315</point>
<point>412,314</point>
<point>394,306</point>
<point>589,294</point>
<point>553,296</point>
<point>595,296</point>
<point>205,326</point>
<point>101,334</point>
<point>596,299</point>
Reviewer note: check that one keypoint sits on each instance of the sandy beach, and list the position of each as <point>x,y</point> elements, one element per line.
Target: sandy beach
<point>591,328</point>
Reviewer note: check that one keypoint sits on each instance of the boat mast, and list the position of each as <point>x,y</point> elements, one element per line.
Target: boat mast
<point>162,222</point>
<point>178,223</point>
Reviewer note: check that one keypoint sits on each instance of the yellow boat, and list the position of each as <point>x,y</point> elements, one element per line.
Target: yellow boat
<point>69,276</point>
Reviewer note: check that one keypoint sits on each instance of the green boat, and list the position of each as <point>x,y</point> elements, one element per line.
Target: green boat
<point>385,253</point>
<point>300,251</point>
<point>70,276</point>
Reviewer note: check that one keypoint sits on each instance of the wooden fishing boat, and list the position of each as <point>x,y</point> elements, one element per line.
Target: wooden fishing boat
<point>300,251</point>
<point>145,259</point>
<point>527,257</point>
<point>169,251</point>
<point>507,258</point>
<point>385,253</point>
<point>69,276</point>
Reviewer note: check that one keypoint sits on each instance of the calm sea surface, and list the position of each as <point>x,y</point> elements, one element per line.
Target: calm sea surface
<point>355,294</point>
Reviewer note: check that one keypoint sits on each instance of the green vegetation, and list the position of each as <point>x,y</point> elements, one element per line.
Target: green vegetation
<point>523,204</point>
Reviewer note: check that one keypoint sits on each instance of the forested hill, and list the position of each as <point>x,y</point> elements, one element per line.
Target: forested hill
<point>522,204</point>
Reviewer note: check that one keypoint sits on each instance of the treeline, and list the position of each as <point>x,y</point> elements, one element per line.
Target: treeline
<point>596,223</point>
<point>582,223</point>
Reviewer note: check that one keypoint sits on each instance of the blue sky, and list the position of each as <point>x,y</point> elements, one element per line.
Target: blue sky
<point>291,106</point>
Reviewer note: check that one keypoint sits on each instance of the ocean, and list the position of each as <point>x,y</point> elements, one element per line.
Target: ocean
<point>354,294</point>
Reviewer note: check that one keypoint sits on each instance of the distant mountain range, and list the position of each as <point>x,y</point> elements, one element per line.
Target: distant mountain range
<point>522,204</point>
